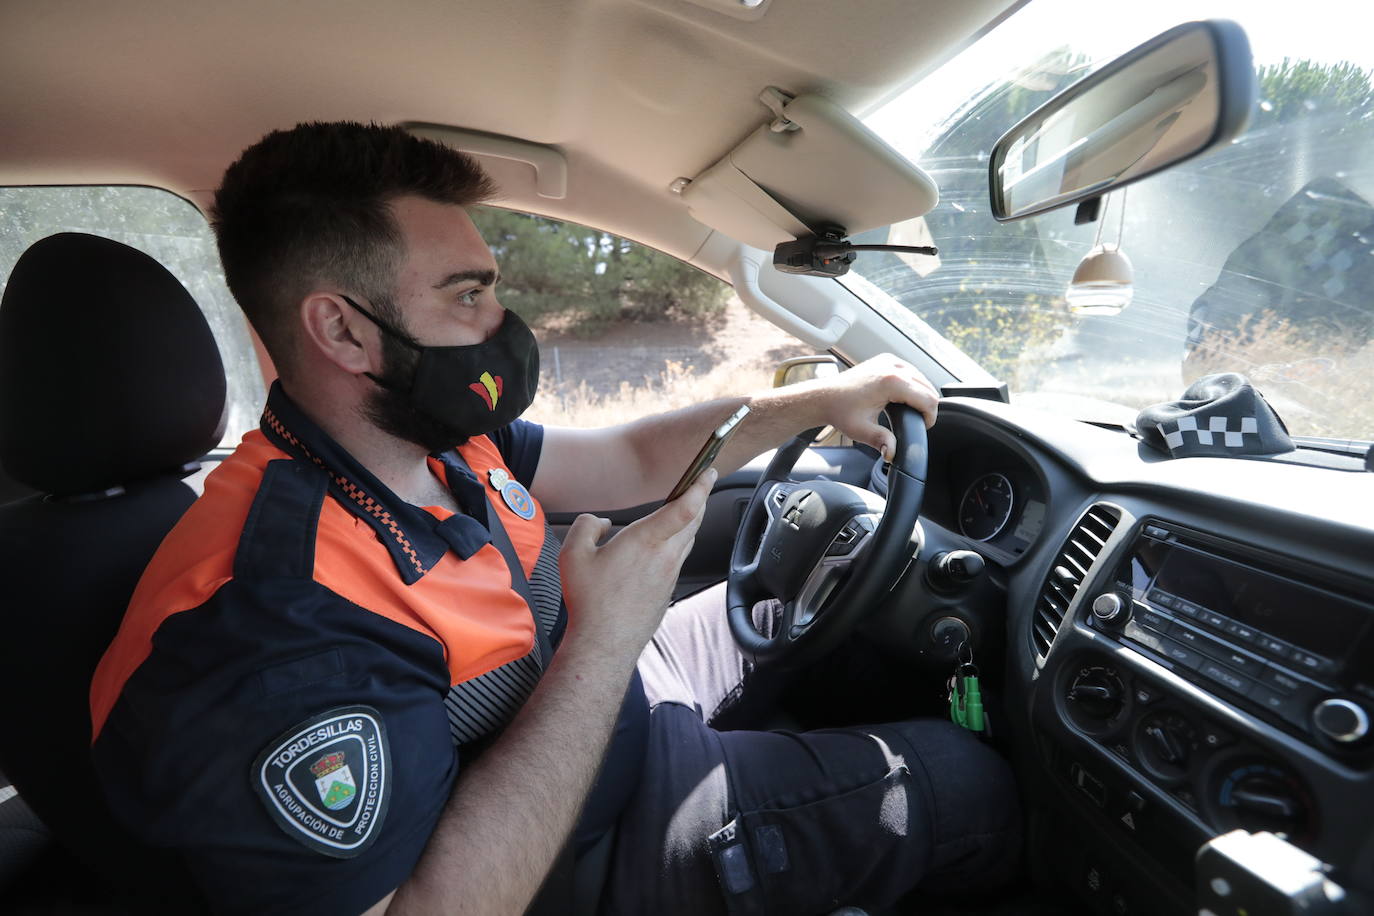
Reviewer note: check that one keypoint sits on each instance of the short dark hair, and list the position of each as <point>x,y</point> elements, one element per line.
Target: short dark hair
<point>310,205</point>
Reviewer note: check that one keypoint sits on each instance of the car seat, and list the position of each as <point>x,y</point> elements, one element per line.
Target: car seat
<point>111,386</point>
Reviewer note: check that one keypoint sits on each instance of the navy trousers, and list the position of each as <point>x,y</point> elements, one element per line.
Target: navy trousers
<point>734,822</point>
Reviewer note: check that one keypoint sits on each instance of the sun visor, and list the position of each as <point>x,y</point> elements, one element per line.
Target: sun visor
<point>813,165</point>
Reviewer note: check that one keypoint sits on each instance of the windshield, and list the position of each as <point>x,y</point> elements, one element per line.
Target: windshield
<point>1256,258</point>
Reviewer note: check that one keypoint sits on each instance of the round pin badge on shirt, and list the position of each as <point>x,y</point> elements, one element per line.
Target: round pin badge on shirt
<point>513,493</point>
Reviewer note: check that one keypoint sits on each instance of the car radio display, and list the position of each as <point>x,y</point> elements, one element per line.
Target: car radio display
<point>1300,614</point>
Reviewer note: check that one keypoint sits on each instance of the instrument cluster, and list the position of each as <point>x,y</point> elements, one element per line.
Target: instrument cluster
<point>1001,505</point>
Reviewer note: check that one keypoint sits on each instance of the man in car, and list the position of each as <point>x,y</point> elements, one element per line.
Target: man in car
<point>351,681</point>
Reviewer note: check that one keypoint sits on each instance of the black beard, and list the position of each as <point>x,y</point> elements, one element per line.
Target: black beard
<point>391,411</point>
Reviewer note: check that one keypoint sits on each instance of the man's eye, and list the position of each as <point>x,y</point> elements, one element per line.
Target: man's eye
<point>470,297</point>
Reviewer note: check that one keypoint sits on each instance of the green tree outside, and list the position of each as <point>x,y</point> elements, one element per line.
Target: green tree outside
<point>584,278</point>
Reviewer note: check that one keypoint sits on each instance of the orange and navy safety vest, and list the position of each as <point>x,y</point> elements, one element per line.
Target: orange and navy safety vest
<point>307,658</point>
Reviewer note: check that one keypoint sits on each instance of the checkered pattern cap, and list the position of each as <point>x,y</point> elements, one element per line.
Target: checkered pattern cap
<point>1219,414</point>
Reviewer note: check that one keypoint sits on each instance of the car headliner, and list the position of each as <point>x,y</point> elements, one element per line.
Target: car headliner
<point>635,93</point>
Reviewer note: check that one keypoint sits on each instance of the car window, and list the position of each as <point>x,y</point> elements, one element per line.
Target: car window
<point>623,329</point>
<point>165,227</point>
<point>1256,258</point>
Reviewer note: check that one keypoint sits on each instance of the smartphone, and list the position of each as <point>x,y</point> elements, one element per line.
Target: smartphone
<point>709,450</point>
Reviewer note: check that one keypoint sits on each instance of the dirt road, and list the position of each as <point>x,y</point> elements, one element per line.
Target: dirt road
<point>634,352</point>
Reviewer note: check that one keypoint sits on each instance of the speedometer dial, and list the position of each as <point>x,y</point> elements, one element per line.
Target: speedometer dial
<point>986,507</point>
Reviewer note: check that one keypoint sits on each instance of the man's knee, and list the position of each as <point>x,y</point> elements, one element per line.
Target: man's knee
<point>975,813</point>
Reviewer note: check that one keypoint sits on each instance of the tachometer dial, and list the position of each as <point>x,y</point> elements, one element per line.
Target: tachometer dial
<point>986,507</point>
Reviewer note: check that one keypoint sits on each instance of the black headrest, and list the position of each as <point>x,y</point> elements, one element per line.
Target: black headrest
<point>108,371</point>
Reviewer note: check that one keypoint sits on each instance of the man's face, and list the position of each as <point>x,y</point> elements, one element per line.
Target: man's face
<point>444,296</point>
<point>445,288</point>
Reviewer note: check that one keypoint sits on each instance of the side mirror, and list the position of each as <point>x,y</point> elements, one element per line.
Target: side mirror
<point>1177,95</point>
<point>804,369</point>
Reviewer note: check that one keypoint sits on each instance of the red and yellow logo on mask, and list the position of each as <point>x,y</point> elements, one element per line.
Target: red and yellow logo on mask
<point>488,388</point>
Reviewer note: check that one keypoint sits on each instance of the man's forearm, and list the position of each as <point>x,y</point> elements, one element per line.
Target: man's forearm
<point>639,462</point>
<point>663,444</point>
<point>513,809</point>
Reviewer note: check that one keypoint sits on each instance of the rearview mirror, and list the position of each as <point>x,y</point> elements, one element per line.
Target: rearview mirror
<point>1177,95</point>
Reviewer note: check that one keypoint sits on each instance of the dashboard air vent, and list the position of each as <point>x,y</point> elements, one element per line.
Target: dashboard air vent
<point>1070,568</point>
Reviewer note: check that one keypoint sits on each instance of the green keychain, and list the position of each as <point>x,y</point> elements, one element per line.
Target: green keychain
<point>965,699</point>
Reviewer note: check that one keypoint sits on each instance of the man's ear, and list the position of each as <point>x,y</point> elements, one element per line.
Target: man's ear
<point>339,334</point>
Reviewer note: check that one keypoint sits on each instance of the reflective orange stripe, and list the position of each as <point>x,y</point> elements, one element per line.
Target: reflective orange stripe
<point>467,605</point>
<point>193,561</point>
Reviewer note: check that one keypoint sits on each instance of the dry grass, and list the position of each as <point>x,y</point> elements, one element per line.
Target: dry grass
<point>1328,395</point>
<point>1331,395</point>
<point>676,385</point>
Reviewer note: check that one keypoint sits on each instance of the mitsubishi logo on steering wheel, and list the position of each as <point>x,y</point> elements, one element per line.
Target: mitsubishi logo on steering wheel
<point>793,515</point>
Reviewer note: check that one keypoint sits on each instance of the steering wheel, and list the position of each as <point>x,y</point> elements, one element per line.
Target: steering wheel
<point>827,550</point>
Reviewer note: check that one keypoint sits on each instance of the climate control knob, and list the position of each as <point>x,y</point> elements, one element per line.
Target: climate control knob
<point>1165,742</point>
<point>1095,697</point>
<point>1258,795</point>
<point>1341,720</point>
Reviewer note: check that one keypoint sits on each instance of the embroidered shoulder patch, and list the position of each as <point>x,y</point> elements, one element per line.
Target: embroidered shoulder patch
<point>325,782</point>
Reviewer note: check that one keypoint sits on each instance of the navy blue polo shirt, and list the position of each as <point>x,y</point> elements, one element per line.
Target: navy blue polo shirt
<point>308,661</point>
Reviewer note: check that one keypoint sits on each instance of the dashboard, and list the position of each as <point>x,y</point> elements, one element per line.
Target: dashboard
<point>1189,645</point>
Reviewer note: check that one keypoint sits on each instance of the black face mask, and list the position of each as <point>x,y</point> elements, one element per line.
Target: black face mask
<point>466,390</point>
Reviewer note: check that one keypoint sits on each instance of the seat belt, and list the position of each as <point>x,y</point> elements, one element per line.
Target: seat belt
<point>502,542</point>
<point>557,890</point>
